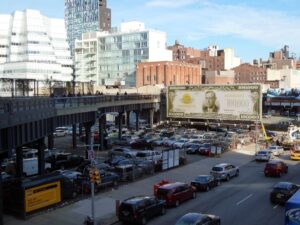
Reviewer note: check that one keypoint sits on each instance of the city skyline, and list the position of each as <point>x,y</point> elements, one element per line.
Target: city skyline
<point>252,28</point>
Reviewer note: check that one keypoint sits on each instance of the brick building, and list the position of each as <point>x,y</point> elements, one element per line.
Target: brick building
<point>246,73</point>
<point>168,73</point>
<point>219,77</point>
<point>181,53</point>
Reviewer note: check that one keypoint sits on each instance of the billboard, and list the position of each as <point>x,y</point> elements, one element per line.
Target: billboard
<point>42,196</point>
<point>224,102</point>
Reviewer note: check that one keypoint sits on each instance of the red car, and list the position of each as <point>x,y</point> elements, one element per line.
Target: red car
<point>205,149</point>
<point>275,168</point>
<point>175,193</point>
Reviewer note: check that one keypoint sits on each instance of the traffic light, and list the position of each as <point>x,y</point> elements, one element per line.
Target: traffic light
<point>95,176</point>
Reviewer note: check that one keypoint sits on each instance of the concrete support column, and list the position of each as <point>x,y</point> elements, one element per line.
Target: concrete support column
<point>74,141</point>
<point>50,141</point>
<point>1,201</point>
<point>88,137</point>
<point>41,156</point>
<point>137,124</point>
<point>19,162</point>
<point>128,119</point>
<point>151,118</point>
<point>102,124</point>
<point>120,118</point>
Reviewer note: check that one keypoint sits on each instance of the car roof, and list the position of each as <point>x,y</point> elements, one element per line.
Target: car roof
<point>136,199</point>
<point>193,217</point>
<point>222,165</point>
<point>172,185</point>
<point>283,185</point>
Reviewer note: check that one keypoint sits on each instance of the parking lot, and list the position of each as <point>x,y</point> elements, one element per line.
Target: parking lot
<point>195,155</point>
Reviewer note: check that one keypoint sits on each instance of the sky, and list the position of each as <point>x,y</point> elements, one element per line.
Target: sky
<point>252,27</point>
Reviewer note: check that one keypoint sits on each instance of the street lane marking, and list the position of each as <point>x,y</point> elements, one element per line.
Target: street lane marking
<point>275,206</point>
<point>245,199</point>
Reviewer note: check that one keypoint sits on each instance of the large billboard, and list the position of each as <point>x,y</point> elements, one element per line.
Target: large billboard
<point>42,196</point>
<point>224,102</point>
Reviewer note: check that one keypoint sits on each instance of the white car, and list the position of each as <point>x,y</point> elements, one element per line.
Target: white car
<point>149,155</point>
<point>276,150</point>
<point>122,152</point>
<point>170,141</point>
<point>263,155</point>
<point>60,132</point>
<point>180,143</point>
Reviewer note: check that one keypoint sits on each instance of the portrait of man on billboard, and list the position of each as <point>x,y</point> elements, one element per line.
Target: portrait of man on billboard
<point>210,104</point>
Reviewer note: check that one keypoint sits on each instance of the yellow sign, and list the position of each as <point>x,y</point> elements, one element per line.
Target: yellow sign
<point>42,196</point>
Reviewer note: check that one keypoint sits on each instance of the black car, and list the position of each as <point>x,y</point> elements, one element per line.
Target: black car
<point>64,161</point>
<point>141,144</point>
<point>198,219</point>
<point>282,192</point>
<point>205,182</point>
<point>139,210</point>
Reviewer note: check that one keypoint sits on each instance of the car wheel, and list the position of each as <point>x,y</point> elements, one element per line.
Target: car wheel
<point>194,195</point>
<point>207,188</point>
<point>228,177</point>
<point>177,203</point>
<point>144,221</point>
<point>237,173</point>
<point>279,174</point>
<point>163,211</point>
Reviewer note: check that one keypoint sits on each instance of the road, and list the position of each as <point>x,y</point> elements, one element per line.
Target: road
<point>242,201</point>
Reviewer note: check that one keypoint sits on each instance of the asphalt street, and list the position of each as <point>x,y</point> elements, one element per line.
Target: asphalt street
<point>242,201</point>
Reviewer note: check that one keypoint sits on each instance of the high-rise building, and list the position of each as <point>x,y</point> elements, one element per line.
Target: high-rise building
<point>110,58</point>
<point>83,16</point>
<point>33,51</point>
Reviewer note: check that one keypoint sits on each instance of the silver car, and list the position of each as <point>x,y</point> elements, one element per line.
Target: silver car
<point>263,155</point>
<point>225,171</point>
<point>276,150</point>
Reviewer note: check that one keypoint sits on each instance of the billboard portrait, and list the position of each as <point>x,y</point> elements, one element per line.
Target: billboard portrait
<point>224,102</point>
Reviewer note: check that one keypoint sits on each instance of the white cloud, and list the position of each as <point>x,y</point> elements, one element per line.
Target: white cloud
<point>268,27</point>
<point>170,3</point>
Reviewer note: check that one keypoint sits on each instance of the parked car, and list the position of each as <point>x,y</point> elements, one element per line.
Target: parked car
<point>276,150</point>
<point>146,165</point>
<point>225,171</point>
<point>121,152</point>
<point>295,155</point>
<point>149,155</point>
<point>275,168</point>
<point>282,191</point>
<point>129,172</point>
<point>198,219</point>
<point>60,132</point>
<point>169,142</point>
<point>180,143</point>
<point>159,142</point>
<point>193,149</point>
<point>205,149</point>
<point>141,144</point>
<point>205,182</point>
<point>87,164</point>
<point>106,178</point>
<point>175,193</point>
<point>64,161</point>
<point>263,155</point>
<point>71,174</point>
<point>139,210</point>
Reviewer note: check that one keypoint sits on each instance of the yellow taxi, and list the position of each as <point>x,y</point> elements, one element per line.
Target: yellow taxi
<point>295,155</point>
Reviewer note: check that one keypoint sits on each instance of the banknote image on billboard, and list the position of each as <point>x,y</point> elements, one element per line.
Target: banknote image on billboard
<point>225,102</point>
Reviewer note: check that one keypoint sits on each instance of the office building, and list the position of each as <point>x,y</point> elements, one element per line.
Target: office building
<point>34,53</point>
<point>83,16</point>
<point>110,58</point>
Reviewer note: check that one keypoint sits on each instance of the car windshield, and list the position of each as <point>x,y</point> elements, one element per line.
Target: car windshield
<point>217,169</point>
<point>271,165</point>
<point>187,221</point>
<point>272,147</point>
<point>202,179</point>
<point>262,152</point>
<point>163,192</point>
<point>141,154</point>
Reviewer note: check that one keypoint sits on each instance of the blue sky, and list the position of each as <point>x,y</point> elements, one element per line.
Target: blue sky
<point>252,27</point>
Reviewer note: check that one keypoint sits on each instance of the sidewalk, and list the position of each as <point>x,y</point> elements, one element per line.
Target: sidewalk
<point>105,202</point>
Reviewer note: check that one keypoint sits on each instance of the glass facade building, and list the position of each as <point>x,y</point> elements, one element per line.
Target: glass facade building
<point>83,16</point>
<point>111,58</point>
